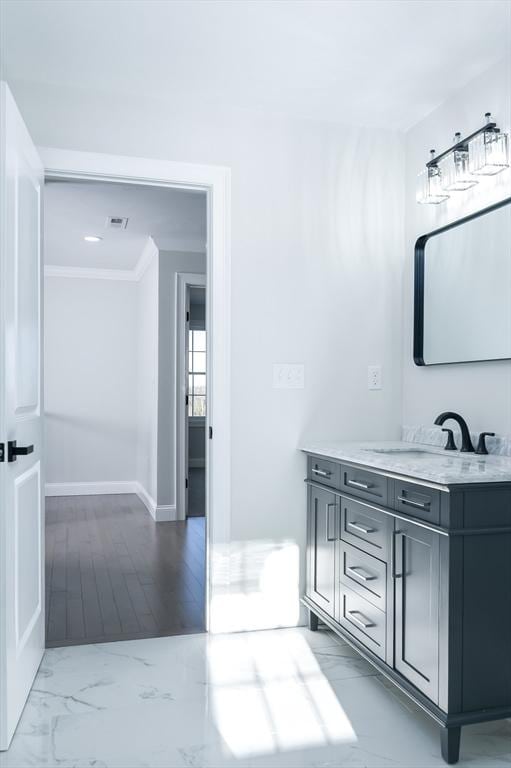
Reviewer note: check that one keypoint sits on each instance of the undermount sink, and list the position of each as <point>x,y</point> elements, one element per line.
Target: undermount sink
<point>395,450</point>
<point>413,453</point>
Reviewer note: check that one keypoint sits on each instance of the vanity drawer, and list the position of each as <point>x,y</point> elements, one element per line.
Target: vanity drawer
<point>363,621</point>
<point>364,574</point>
<point>366,485</point>
<point>366,528</point>
<point>324,471</point>
<point>416,500</point>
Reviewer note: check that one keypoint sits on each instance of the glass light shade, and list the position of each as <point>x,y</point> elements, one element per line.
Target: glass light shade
<point>488,153</point>
<point>429,189</point>
<point>455,172</point>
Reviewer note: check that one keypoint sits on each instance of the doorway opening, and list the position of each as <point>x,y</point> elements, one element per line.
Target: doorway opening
<point>22,604</point>
<point>192,373</point>
<point>195,402</point>
<point>124,558</point>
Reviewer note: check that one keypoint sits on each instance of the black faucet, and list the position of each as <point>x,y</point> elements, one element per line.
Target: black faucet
<point>466,442</point>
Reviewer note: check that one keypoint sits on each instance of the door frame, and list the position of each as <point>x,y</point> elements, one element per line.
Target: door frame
<point>184,281</point>
<point>216,182</point>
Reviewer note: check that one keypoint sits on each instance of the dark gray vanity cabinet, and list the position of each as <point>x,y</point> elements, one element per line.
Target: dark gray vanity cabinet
<point>417,578</point>
<point>321,548</point>
<point>416,602</point>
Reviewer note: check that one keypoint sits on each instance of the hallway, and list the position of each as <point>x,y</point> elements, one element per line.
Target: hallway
<point>112,573</point>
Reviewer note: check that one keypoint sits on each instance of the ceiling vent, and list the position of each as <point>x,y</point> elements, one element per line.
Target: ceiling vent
<point>117,222</point>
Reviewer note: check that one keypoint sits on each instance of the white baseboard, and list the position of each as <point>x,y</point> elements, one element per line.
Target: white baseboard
<point>160,513</point>
<point>165,513</point>
<point>91,489</point>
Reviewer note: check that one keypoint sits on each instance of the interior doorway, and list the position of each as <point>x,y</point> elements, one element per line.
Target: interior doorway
<point>23,610</point>
<point>192,400</point>
<point>122,559</point>
<point>195,401</point>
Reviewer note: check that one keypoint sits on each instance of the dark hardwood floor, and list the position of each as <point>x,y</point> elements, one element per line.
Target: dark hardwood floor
<point>112,573</point>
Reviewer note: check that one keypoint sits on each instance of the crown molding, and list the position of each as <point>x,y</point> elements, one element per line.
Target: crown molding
<point>134,275</point>
<point>88,273</point>
<point>98,273</point>
<point>182,244</point>
<point>150,251</point>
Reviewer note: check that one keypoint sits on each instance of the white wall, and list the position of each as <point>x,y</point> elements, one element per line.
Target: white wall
<point>171,262</point>
<point>110,381</point>
<point>90,380</point>
<point>147,378</point>
<point>481,392</point>
<point>317,249</point>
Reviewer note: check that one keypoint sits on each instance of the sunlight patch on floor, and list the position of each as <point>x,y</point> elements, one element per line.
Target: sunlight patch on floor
<point>255,585</point>
<point>270,695</point>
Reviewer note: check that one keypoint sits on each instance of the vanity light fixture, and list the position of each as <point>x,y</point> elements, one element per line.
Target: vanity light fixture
<point>430,183</point>
<point>456,175</point>
<point>488,151</point>
<point>92,238</point>
<point>483,153</point>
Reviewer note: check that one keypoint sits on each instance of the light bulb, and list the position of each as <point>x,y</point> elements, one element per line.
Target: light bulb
<point>430,185</point>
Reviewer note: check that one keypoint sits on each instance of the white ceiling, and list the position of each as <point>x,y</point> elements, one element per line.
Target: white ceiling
<point>373,62</point>
<point>175,219</point>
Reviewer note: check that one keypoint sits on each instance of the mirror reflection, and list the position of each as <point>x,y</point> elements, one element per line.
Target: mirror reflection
<point>466,290</point>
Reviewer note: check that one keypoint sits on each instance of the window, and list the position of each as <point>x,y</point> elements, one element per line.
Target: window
<point>196,373</point>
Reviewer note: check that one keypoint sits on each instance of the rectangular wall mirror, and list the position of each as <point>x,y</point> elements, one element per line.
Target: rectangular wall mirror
<point>462,310</point>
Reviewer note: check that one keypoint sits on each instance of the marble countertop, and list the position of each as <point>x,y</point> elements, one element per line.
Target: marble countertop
<point>416,460</point>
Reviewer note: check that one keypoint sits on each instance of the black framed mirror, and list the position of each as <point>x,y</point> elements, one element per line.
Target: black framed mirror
<point>462,300</point>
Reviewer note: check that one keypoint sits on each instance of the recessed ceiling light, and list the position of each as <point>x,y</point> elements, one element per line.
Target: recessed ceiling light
<point>92,238</point>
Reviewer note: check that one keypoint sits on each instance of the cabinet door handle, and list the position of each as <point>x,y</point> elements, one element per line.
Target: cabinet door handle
<point>420,504</point>
<point>363,621</point>
<point>355,570</point>
<point>360,527</point>
<point>329,537</point>
<point>393,554</point>
<point>321,472</point>
<point>357,484</point>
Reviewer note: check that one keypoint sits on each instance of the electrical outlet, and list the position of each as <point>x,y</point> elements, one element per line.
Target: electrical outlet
<point>374,377</point>
<point>288,375</point>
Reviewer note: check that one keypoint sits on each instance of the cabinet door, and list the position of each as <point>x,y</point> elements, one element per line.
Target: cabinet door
<point>417,585</point>
<point>321,548</point>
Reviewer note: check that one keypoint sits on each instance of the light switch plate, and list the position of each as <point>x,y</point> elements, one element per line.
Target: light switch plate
<point>288,375</point>
<point>374,380</point>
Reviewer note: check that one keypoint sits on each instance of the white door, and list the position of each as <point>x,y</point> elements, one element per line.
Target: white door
<point>21,485</point>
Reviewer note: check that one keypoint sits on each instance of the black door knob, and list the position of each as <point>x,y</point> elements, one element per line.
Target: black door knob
<point>13,450</point>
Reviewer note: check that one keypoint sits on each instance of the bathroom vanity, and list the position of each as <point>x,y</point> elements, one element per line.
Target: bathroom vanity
<point>409,561</point>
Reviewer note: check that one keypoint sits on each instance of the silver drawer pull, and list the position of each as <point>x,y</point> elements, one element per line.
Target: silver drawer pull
<point>419,504</point>
<point>356,483</point>
<point>321,472</point>
<point>360,573</point>
<point>363,621</point>
<point>360,527</point>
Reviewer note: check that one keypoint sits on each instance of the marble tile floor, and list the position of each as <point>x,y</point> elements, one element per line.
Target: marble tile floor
<point>284,698</point>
